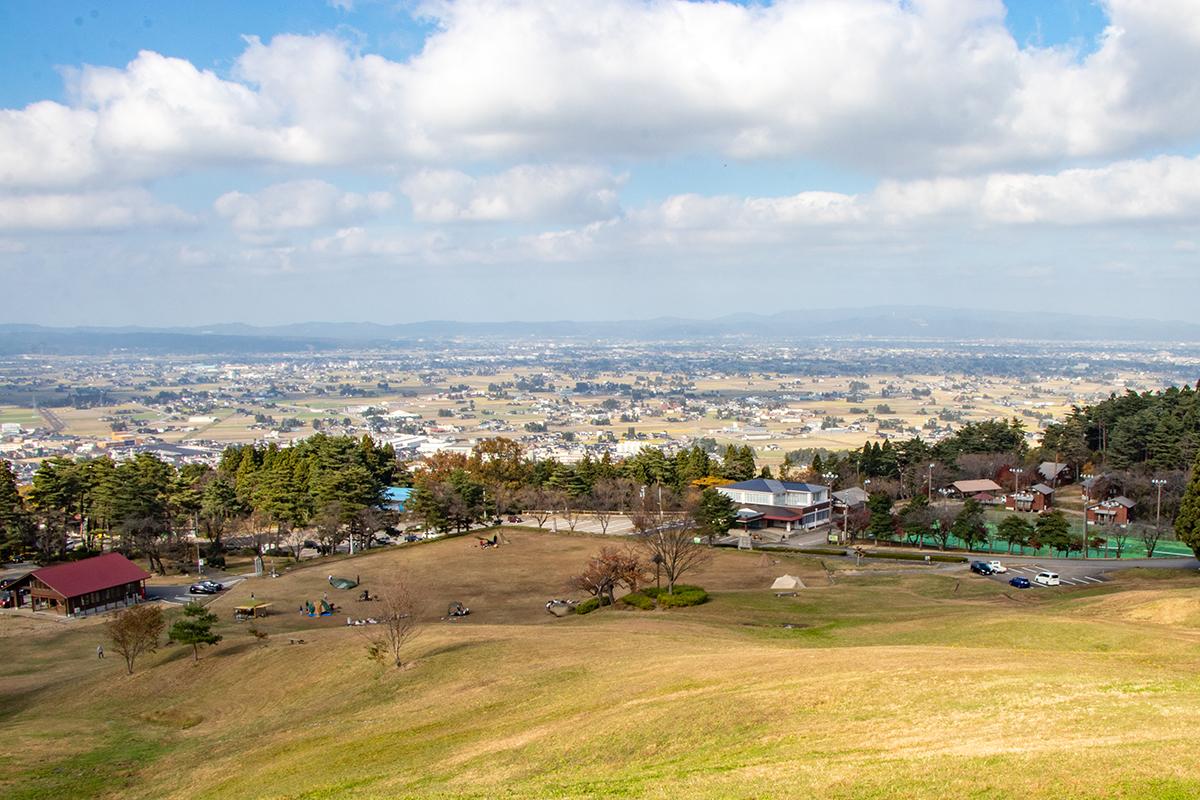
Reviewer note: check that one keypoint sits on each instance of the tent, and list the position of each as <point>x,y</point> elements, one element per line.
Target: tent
<point>787,582</point>
<point>343,583</point>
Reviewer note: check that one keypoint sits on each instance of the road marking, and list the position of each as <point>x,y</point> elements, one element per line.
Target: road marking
<point>1093,580</point>
<point>1067,580</point>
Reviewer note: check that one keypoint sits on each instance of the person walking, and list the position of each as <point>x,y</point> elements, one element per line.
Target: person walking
<point>99,651</point>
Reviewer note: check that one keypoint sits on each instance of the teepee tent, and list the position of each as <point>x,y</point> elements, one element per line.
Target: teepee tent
<point>787,582</point>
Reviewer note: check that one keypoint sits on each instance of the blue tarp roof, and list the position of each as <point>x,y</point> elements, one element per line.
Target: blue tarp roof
<point>397,495</point>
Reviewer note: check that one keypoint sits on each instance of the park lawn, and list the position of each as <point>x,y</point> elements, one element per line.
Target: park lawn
<point>889,683</point>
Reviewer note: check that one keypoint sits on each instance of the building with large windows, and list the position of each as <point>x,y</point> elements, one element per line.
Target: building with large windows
<point>764,502</point>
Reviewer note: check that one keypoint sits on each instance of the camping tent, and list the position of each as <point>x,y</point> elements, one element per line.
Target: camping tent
<point>342,583</point>
<point>787,582</point>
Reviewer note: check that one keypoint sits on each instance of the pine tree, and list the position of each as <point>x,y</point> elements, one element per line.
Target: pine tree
<point>14,522</point>
<point>881,525</point>
<point>1187,521</point>
<point>194,628</point>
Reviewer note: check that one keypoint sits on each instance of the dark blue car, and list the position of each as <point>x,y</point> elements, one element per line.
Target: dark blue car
<point>1021,582</point>
<point>981,567</point>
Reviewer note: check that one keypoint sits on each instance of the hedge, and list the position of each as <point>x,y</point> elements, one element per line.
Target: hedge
<point>588,606</point>
<point>820,551</point>
<point>684,595</point>
<point>898,556</point>
<point>639,600</point>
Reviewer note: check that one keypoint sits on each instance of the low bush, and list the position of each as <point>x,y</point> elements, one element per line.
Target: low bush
<point>588,606</point>
<point>639,600</point>
<point>685,595</point>
<point>901,556</point>
<point>820,551</point>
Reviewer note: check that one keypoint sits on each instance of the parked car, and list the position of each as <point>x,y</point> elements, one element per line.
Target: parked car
<point>981,567</point>
<point>1020,581</point>
<point>1046,578</point>
<point>997,566</point>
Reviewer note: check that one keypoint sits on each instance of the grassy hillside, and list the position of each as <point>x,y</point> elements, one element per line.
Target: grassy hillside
<point>887,683</point>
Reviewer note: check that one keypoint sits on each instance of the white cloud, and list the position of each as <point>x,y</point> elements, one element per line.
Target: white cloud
<point>88,211</point>
<point>523,193</point>
<point>892,88</point>
<point>298,204</point>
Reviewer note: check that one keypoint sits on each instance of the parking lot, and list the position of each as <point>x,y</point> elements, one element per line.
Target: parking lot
<point>1073,575</point>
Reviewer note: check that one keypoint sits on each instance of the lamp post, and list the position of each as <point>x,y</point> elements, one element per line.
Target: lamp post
<point>944,493</point>
<point>1158,483</point>
<point>931,466</point>
<point>1016,472</point>
<point>830,476</point>
<point>1086,477</point>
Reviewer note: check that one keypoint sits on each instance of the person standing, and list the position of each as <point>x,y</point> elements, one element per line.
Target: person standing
<point>99,651</point>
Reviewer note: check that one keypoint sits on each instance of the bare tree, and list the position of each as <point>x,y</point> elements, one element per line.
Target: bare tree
<point>398,625</point>
<point>677,550</point>
<point>330,526</point>
<point>293,539</point>
<point>135,631</point>
<point>537,504</point>
<point>607,570</point>
<point>610,496</point>
<point>571,513</point>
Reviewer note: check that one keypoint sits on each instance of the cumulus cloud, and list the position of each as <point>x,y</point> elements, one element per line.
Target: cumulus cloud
<point>523,193</point>
<point>298,204</point>
<point>87,211</point>
<point>895,88</point>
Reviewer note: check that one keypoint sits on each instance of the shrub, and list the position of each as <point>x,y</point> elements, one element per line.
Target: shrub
<point>821,551</point>
<point>588,606</point>
<point>685,595</point>
<point>899,556</point>
<point>639,600</point>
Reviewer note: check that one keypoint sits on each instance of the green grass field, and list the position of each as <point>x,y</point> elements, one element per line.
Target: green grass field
<point>890,682</point>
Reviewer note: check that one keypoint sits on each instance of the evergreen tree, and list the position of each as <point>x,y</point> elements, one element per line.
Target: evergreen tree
<point>1187,521</point>
<point>969,524</point>
<point>194,628</point>
<point>1015,531</point>
<point>715,514</point>
<point>882,525</point>
<point>14,521</point>
<point>916,518</point>
<point>1054,531</point>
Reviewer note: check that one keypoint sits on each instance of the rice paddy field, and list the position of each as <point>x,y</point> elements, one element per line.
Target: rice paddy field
<point>895,681</point>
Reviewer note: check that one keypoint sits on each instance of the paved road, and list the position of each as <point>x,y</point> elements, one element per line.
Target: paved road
<point>178,593</point>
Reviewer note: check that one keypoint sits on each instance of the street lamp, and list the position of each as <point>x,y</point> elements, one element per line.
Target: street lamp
<point>931,466</point>
<point>1016,471</point>
<point>1158,483</point>
<point>831,476</point>
<point>1088,496</point>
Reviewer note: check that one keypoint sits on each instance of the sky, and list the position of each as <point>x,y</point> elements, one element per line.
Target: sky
<point>363,160</point>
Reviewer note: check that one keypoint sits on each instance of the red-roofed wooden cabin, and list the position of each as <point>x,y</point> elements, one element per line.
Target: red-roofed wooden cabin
<point>101,582</point>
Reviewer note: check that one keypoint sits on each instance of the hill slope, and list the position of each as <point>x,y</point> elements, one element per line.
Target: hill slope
<point>887,684</point>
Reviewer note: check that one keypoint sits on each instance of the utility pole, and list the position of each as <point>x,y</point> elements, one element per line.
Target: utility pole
<point>1158,483</point>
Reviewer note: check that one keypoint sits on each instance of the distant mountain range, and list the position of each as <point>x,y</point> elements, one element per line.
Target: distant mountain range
<point>881,322</point>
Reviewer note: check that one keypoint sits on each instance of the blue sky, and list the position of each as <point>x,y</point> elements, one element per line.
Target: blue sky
<point>392,161</point>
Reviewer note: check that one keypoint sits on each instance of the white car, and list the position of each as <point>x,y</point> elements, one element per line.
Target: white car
<point>997,566</point>
<point>1046,578</point>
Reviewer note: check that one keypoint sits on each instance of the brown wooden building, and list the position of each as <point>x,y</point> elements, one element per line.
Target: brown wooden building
<point>1110,512</point>
<point>1036,498</point>
<point>99,583</point>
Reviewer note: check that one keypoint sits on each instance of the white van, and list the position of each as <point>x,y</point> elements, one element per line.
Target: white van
<point>1046,578</point>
